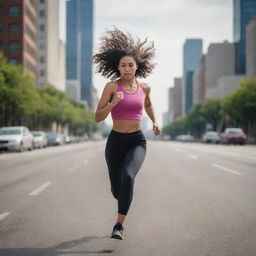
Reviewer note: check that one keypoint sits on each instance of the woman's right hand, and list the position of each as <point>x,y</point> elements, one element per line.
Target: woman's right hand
<point>117,97</point>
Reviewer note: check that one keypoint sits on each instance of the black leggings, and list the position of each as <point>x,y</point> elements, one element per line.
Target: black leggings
<point>125,153</point>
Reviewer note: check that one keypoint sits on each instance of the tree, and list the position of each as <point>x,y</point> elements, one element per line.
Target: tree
<point>177,127</point>
<point>195,120</point>
<point>241,104</point>
<point>18,94</point>
<point>211,111</point>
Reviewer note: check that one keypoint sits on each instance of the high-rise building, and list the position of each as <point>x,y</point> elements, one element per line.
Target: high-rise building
<point>199,82</point>
<point>51,48</point>
<point>177,98</point>
<point>243,11</point>
<point>251,49</point>
<point>192,51</point>
<point>80,47</point>
<point>219,61</point>
<point>19,33</point>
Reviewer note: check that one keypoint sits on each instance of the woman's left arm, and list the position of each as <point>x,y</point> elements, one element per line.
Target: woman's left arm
<point>150,111</point>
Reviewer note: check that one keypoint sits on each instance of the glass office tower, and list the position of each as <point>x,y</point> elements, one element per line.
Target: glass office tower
<point>79,47</point>
<point>243,11</point>
<point>192,52</point>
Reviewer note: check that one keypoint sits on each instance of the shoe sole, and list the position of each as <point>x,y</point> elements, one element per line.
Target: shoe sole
<point>115,236</point>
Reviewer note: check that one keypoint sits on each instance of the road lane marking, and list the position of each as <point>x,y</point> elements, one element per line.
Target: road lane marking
<point>226,169</point>
<point>4,215</point>
<point>86,161</point>
<point>220,151</point>
<point>178,149</point>
<point>40,189</point>
<point>193,157</point>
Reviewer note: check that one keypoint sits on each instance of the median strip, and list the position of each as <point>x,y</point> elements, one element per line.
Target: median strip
<point>226,169</point>
<point>40,189</point>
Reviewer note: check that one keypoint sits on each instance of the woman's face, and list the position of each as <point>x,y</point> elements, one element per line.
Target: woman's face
<point>127,67</point>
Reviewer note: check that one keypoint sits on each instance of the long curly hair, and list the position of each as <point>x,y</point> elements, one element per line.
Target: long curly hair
<point>115,45</point>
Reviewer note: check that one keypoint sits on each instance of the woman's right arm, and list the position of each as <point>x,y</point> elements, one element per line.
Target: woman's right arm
<point>105,105</point>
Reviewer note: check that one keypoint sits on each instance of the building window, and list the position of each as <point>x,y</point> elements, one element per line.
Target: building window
<point>14,46</point>
<point>42,27</point>
<point>1,44</point>
<point>41,59</point>
<point>14,11</point>
<point>14,61</point>
<point>14,28</point>
<point>1,11</point>
<point>41,13</point>
<point>42,72</point>
<point>41,46</point>
<point>41,36</point>
<point>41,1</point>
<point>1,28</point>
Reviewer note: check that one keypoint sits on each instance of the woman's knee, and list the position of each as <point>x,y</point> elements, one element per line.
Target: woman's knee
<point>115,193</point>
<point>128,180</point>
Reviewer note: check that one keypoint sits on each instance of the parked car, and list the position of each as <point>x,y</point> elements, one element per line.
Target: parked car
<point>16,138</point>
<point>67,139</point>
<point>211,137</point>
<point>55,139</point>
<point>40,139</point>
<point>185,138</point>
<point>233,135</point>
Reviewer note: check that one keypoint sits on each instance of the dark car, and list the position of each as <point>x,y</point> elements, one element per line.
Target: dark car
<point>54,139</point>
<point>233,135</point>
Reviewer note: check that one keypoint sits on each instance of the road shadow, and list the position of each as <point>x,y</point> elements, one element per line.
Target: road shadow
<point>60,249</point>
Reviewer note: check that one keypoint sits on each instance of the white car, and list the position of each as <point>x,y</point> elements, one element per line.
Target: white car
<point>185,138</point>
<point>211,137</point>
<point>16,138</point>
<point>40,139</point>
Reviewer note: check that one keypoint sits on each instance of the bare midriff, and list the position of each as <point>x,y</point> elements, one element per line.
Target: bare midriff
<point>126,126</point>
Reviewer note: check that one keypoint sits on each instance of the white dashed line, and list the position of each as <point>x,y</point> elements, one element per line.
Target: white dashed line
<point>4,215</point>
<point>40,189</point>
<point>193,157</point>
<point>226,169</point>
<point>86,161</point>
<point>177,149</point>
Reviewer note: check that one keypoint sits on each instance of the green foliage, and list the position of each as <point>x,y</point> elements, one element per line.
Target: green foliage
<point>21,103</point>
<point>237,108</point>
<point>241,104</point>
<point>196,120</point>
<point>211,111</point>
<point>179,126</point>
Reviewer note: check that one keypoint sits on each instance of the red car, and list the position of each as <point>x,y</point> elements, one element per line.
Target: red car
<point>233,135</point>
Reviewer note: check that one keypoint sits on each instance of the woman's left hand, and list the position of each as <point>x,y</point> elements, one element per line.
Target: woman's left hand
<point>156,129</point>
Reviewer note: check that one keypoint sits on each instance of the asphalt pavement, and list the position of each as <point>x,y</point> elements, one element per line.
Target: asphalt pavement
<point>190,199</point>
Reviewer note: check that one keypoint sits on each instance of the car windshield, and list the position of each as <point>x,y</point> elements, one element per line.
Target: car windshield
<point>36,134</point>
<point>235,132</point>
<point>52,135</point>
<point>9,131</point>
<point>212,133</point>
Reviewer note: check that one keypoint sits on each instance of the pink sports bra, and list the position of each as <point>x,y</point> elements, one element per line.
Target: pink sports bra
<point>131,106</point>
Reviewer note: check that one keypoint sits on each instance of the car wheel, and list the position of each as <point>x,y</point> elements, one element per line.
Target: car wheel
<point>32,147</point>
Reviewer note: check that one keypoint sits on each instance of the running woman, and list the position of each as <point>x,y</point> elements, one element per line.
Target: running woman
<point>124,59</point>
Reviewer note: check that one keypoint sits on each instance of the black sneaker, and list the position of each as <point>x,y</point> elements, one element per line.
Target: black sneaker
<point>117,231</point>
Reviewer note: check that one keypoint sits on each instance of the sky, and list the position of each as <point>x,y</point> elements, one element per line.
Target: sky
<point>166,22</point>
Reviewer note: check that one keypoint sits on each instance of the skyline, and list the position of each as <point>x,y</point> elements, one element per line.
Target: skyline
<point>170,26</point>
